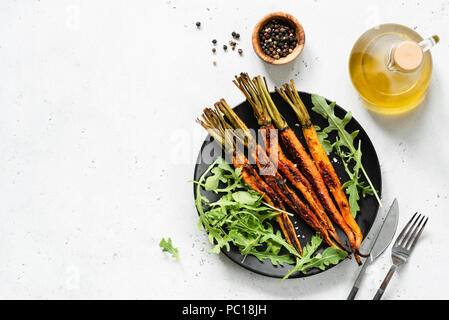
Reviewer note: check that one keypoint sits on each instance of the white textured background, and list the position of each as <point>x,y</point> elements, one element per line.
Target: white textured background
<point>98,141</point>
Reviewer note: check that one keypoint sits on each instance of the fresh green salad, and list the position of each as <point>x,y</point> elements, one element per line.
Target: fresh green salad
<point>241,217</point>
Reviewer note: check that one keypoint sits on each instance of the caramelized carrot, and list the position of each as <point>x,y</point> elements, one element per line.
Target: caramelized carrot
<point>309,169</point>
<point>287,195</point>
<point>273,178</point>
<point>321,159</point>
<point>291,172</point>
<point>255,91</point>
<point>255,182</point>
<point>299,154</point>
<point>214,126</point>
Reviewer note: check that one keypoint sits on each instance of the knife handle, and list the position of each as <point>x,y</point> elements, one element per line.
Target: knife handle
<point>353,293</point>
<point>357,282</point>
<point>384,284</point>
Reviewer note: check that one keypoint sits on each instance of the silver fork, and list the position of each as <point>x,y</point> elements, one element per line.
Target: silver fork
<point>403,247</point>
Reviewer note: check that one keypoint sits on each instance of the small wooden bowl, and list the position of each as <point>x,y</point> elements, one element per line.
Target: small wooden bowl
<point>299,31</point>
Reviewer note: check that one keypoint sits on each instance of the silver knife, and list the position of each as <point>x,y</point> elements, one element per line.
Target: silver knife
<point>382,240</point>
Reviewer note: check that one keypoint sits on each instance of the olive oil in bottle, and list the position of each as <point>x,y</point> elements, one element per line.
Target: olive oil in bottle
<point>391,66</point>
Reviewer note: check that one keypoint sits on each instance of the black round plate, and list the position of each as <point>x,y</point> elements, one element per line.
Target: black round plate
<point>368,205</point>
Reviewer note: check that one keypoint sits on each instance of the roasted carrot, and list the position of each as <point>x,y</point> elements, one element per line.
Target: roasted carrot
<point>251,178</point>
<point>256,93</point>
<point>273,178</point>
<point>319,155</point>
<point>215,127</point>
<point>308,168</point>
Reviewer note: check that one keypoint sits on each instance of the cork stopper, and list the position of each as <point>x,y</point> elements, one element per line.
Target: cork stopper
<point>407,56</point>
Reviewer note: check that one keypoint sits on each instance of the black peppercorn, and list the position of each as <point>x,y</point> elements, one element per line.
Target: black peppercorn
<point>225,47</point>
<point>277,38</point>
<point>214,41</point>
<point>198,24</point>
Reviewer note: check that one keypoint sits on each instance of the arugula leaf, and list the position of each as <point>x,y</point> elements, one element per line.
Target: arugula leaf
<point>335,123</point>
<point>216,234</point>
<point>213,180</point>
<point>322,136</point>
<point>352,185</point>
<point>245,242</point>
<point>167,246</point>
<point>241,218</point>
<point>273,246</point>
<point>275,259</point>
<point>330,255</point>
<point>307,252</point>
<point>245,197</point>
<point>344,140</point>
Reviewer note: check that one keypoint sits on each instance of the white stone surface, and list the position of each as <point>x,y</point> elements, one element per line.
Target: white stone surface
<point>98,141</point>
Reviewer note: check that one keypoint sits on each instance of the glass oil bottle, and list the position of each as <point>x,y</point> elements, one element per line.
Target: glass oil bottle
<point>391,67</point>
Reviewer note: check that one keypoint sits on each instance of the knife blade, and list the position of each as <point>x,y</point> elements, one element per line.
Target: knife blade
<point>386,233</point>
<point>381,241</point>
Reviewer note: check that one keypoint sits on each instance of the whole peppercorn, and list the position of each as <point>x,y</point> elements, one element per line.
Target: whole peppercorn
<point>225,47</point>
<point>198,24</point>
<point>214,41</point>
<point>240,51</point>
<point>214,50</point>
<point>277,39</point>
<point>237,35</point>
<point>233,33</point>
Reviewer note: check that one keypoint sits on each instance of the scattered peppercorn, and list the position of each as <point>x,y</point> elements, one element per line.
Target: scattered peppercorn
<point>215,63</point>
<point>198,24</point>
<point>235,35</point>
<point>277,38</point>
<point>232,43</point>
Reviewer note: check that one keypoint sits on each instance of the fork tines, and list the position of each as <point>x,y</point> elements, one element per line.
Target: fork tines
<point>403,247</point>
<point>411,232</point>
